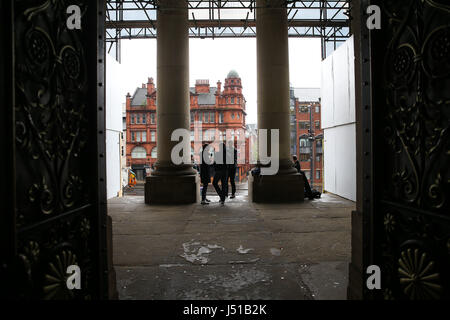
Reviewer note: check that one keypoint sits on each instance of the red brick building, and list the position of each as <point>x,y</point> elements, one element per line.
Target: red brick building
<point>221,113</point>
<point>309,134</point>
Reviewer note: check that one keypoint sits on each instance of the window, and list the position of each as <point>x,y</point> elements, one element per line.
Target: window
<point>153,136</point>
<point>303,125</point>
<point>138,136</point>
<point>144,136</point>
<point>133,137</point>
<point>212,134</point>
<point>318,174</point>
<point>212,117</point>
<point>144,118</point>
<point>154,153</point>
<point>138,153</point>
<point>205,117</point>
<point>152,118</point>
<point>232,81</point>
<point>304,157</point>
<point>303,142</point>
<point>317,109</point>
<point>237,115</point>
<point>319,146</point>
<point>232,115</point>
<point>239,100</point>
<point>318,158</point>
<point>138,118</point>
<point>132,119</point>
<point>303,109</point>
<point>232,100</point>
<point>317,124</point>
<point>305,146</point>
<point>192,117</point>
<point>221,117</point>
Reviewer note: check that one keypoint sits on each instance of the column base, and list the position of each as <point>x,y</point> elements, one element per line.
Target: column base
<point>276,189</point>
<point>183,189</point>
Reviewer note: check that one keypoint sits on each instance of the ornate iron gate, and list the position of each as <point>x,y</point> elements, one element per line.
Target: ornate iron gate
<point>410,109</point>
<point>53,190</point>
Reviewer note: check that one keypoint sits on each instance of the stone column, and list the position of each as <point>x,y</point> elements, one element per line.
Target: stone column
<point>170,183</point>
<point>273,100</point>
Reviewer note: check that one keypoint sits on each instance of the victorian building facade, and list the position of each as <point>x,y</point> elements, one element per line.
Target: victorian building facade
<point>216,114</point>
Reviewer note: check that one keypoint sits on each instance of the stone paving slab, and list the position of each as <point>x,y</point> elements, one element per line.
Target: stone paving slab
<point>239,251</point>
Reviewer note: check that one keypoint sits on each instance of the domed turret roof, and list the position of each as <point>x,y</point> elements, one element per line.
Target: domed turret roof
<point>233,74</point>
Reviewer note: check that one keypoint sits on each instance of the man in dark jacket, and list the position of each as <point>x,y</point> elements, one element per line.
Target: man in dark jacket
<point>308,191</point>
<point>220,168</point>
<point>205,177</point>
<point>231,166</point>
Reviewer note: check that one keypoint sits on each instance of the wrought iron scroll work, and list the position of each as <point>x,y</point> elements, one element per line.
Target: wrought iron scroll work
<point>55,194</point>
<point>412,117</point>
<point>417,78</point>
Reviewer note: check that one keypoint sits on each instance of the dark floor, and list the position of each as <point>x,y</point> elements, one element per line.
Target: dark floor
<point>239,251</point>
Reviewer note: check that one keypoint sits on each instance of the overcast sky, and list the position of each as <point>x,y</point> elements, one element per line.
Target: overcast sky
<point>213,59</point>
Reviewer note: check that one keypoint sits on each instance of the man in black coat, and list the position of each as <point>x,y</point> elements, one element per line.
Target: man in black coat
<point>221,172</point>
<point>205,176</point>
<point>231,166</point>
<point>308,191</point>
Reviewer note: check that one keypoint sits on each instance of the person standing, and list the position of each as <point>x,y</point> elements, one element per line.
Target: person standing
<point>231,167</point>
<point>220,168</point>
<point>205,176</point>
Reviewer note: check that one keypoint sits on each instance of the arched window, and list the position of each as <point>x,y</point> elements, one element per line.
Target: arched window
<point>139,153</point>
<point>303,142</point>
<point>154,153</point>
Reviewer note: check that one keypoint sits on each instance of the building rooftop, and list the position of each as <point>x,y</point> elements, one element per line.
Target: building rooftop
<point>233,74</point>
<point>307,94</point>
<point>139,97</point>
<point>206,98</point>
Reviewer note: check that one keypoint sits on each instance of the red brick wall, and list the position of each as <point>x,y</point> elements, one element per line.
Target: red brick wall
<point>305,116</point>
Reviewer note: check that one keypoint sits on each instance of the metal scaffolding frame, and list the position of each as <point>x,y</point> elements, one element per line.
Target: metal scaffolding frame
<point>325,19</point>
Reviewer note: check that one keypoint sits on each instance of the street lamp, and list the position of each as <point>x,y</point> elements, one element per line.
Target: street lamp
<point>311,138</point>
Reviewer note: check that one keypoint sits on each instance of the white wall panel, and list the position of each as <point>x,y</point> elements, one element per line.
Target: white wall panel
<point>113,168</point>
<point>345,155</point>
<point>329,167</point>
<point>338,121</point>
<point>327,90</point>
<point>114,99</point>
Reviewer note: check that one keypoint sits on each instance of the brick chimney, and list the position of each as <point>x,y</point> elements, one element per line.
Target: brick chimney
<point>219,87</point>
<point>201,86</point>
<point>128,99</point>
<point>150,86</point>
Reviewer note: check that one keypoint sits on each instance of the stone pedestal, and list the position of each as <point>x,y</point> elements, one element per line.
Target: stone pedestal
<point>276,189</point>
<point>172,189</point>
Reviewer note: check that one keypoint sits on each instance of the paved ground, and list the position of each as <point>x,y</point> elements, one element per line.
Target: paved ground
<point>239,251</point>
